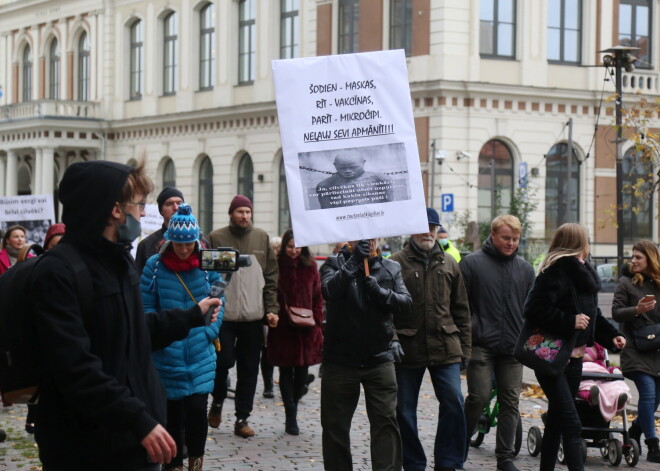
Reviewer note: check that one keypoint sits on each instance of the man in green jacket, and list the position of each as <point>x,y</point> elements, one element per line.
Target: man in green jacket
<point>250,299</point>
<point>437,337</point>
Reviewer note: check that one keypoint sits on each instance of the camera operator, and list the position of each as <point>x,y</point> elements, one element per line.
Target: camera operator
<point>241,333</point>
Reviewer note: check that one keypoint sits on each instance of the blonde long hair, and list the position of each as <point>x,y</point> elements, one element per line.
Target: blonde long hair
<point>570,240</point>
<point>652,255</point>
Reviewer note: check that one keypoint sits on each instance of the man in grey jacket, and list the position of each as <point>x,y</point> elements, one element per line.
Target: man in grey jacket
<point>497,282</point>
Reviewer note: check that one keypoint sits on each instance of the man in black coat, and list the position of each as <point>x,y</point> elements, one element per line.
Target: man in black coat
<point>359,349</point>
<point>497,281</point>
<point>101,403</point>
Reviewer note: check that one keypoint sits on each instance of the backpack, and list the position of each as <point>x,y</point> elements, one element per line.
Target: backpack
<point>20,356</point>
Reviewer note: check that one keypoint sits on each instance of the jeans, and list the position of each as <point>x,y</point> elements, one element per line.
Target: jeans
<point>241,345</point>
<point>340,391</point>
<point>649,398</point>
<point>450,435</point>
<point>187,417</point>
<point>508,376</point>
<point>562,419</point>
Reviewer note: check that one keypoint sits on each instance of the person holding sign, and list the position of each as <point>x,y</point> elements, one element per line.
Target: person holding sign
<point>360,350</point>
<point>352,185</point>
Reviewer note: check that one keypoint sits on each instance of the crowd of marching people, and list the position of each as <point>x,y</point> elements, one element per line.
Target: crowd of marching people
<point>134,379</point>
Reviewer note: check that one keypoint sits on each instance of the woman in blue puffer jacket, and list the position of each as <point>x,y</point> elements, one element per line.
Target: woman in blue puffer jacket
<point>171,279</point>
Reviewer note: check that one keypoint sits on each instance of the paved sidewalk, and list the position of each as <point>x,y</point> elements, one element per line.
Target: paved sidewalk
<point>272,449</point>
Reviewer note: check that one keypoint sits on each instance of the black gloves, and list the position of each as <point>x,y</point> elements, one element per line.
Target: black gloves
<point>464,363</point>
<point>397,351</point>
<point>361,251</point>
<point>375,291</point>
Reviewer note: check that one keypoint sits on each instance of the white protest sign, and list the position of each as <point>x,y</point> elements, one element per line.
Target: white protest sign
<point>151,222</point>
<point>34,212</point>
<point>349,147</point>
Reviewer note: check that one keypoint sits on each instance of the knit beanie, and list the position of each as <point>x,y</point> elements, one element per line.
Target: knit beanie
<point>183,226</point>
<point>167,193</point>
<point>240,201</point>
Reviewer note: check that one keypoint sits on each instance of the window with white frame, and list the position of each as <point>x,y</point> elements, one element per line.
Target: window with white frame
<point>207,47</point>
<point>205,203</point>
<point>638,194</point>
<point>27,73</point>
<point>497,28</point>
<point>246,177</point>
<point>136,59</point>
<point>558,209</point>
<point>83,67</point>
<point>349,17</point>
<point>169,53</point>
<point>169,174</point>
<point>401,25</point>
<point>564,31</point>
<point>635,22</point>
<point>54,70</point>
<point>289,28</point>
<point>247,39</point>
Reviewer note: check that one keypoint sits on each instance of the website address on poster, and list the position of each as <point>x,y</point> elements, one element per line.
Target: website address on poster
<point>362,215</point>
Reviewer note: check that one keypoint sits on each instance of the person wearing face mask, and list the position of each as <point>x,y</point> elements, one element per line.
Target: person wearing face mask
<point>172,279</point>
<point>12,243</point>
<point>447,245</point>
<point>101,403</point>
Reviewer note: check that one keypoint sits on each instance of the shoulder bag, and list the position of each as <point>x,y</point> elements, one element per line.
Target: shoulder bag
<point>647,338</point>
<point>545,353</point>
<point>299,317</point>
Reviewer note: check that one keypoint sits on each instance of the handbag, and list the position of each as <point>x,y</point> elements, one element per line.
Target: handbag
<point>647,338</point>
<point>547,354</point>
<point>299,317</point>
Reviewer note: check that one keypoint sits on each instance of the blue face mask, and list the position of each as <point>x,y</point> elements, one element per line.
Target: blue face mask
<point>444,242</point>
<point>129,231</point>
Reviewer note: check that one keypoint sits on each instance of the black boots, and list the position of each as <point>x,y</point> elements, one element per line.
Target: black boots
<point>291,424</point>
<point>635,431</point>
<point>653,454</point>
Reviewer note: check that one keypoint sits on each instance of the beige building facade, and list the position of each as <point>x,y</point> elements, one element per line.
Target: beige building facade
<point>187,84</point>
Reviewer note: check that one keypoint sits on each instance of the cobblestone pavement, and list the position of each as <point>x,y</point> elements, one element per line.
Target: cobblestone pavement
<point>272,449</point>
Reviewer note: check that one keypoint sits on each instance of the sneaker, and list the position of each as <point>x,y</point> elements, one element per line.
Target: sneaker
<point>242,429</point>
<point>507,466</point>
<point>594,395</point>
<point>215,414</point>
<point>621,402</point>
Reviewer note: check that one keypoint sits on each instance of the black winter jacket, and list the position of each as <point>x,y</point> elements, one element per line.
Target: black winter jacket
<point>497,286</point>
<point>359,328</point>
<point>147,247</point>
<point>552,304</point>
<point>100,395</point>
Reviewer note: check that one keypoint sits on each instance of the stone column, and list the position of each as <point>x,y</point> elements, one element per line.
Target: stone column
<point>3,162</point>
<point>37,172</point>
<point>47,169</point>
<point>11,185</point>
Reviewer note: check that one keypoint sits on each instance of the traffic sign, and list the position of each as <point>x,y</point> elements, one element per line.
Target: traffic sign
<point>447,202</point>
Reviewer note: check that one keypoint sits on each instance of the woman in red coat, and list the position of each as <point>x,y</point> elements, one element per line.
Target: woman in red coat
<point>291,348</point>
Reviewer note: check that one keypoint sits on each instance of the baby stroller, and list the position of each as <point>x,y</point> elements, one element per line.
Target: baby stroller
<point>597,432</point>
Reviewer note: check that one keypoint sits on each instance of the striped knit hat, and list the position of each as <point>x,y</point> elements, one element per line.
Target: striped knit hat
<point>183,226</point>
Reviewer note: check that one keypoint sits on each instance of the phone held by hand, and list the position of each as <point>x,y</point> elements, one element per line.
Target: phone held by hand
<point>648,298</point>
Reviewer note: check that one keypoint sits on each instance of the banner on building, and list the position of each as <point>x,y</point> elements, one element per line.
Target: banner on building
<point>349,147</point>
<point>34,212</point>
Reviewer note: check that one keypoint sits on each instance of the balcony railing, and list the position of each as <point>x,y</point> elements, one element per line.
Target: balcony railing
<point>49,109</point>
<point>640,81</point>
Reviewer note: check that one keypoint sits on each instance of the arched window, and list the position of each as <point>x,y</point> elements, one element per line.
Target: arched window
<point>284,213</point>
<point>24,181</point>
<point>205,205</point>
<point>83,67</point>
<point>245,177</point>
<point>207,47</point>
<point>495,180</point>
<point>137,60</point>
<point>54,71</point>
<point>169,54</point>
<point>27,74</point>
<point>169,174</point>
<point>638,194</point>
<point>557,211</point>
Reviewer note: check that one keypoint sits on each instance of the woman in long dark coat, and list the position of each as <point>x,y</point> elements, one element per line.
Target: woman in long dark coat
<point>291,348</point>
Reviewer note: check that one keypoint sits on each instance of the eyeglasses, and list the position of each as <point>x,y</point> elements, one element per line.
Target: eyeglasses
<point>142,204</point>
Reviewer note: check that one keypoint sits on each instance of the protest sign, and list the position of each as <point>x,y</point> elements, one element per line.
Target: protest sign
<point>34,212</point>
<point>151,222</point>
<point>349,147</point>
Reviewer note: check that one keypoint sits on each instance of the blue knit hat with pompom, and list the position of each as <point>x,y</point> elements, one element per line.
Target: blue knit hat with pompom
<point>183,226</point>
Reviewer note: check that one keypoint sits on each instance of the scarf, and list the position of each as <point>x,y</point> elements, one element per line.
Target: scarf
<point>12,253</point>
<point>176,264</point>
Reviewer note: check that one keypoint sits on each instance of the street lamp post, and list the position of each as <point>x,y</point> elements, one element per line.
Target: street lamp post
<point>622,58</point>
